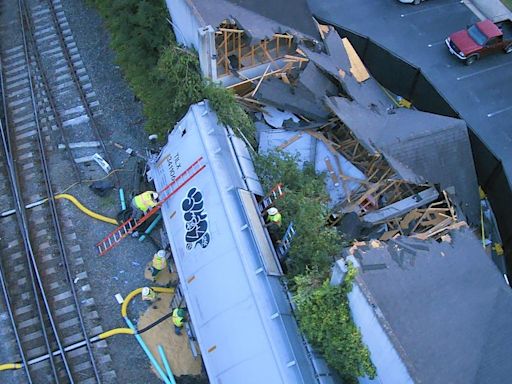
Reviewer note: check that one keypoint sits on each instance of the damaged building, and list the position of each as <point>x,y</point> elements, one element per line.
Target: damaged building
<point>431,312</point>
<point>389,169</point>
<point>398,178</point>
<point>239,41</point>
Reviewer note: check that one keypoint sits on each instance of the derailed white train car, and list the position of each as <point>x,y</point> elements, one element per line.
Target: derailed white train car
<point>228,269</point>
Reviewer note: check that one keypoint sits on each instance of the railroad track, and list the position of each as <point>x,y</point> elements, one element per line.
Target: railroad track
<point>46,101</point>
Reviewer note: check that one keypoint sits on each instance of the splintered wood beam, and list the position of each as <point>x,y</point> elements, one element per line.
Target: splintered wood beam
<point>239,31</point>
<point>239,51</point>
<point>283,36</point>
<point>259,82</point>
<point>330,170</point>
<point>296,58</point>
<point>267,54</point>
<point>341,175</point>
<point>226,63</point>
<point>251,80</point>
<point>357,67</point>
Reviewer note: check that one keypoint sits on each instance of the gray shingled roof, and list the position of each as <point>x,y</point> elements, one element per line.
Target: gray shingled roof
<point>448,308</point>
<point>260,18</point>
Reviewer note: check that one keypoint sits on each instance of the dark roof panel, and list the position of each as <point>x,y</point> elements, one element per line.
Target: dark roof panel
<point>447,305</point>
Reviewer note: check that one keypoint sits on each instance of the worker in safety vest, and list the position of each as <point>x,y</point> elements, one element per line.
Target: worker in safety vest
<point>178,318</point>
<point>158,264</point>
<point>142,203</point>
<point>148,294</point>
<point>273,217</point>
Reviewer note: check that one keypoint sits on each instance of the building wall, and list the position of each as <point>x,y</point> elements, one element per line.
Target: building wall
<point>185,22</point>
<point>387,361</point>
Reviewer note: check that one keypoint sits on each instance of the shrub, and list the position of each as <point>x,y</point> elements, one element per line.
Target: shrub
<point>324,317</point>
<point>164,76</point>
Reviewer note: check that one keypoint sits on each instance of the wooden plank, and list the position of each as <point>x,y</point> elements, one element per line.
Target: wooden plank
<point>254,78</point>
<point>231,30</point>
<point>357,67</point>
<point>267,54</point>
<point>291,140</point>
<point>441,227</point>
<point>259,82</point>
<point>330,169</point>
<point>388,235</point>
<point>406,221</point>
<point>295,58</point>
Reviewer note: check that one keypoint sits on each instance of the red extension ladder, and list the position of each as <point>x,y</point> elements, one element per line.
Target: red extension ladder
<point>130,225</point>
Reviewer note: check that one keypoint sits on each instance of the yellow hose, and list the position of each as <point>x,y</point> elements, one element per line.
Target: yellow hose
<point>5,367</point>
<point>116,331</point>
<point>85,210</point>
<point>135,292</point>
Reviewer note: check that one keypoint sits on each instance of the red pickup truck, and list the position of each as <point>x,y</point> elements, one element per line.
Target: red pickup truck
<point>480,39</point>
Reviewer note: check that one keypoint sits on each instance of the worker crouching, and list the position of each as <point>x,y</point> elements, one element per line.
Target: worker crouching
<point>148,294</point>
<point>144,202</point>
<point>179,316</point>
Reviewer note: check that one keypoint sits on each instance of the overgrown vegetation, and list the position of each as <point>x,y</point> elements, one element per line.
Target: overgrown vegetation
<point>305,205</point>
<point>324,314</point>
<point>164,76</point>
<point>325,319</point>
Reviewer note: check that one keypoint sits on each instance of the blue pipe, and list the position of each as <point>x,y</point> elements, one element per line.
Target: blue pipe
<point>121,197</point>
<point>148,353</point>
<point>166,363</point>
<point>151,227</point>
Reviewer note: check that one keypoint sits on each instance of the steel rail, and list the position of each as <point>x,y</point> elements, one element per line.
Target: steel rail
<point>49,94</point>
<point>5,290</point>
<point>80,89</point>
<point>23,226</point>
<point>55,216</point>
<point>20,203</point>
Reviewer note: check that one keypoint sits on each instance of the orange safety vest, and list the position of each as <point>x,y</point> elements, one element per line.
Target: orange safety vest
<point>144,201</point>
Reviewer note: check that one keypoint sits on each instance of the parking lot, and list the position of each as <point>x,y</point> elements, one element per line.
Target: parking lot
<point>480,93</point>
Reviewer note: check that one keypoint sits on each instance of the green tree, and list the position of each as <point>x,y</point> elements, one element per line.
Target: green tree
<point>324,317</point>
<point>163,75</point>
<point>304,203</point>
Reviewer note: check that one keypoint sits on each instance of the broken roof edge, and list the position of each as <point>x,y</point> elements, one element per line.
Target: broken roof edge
<point>255,25</point>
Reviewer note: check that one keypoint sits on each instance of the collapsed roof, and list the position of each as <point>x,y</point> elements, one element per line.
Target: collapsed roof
<point>444,306</point>
<point>420,147</point>
<point>260,19</point>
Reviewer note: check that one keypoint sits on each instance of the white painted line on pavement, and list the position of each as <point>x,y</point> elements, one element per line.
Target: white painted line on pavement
<point>499,111</point>
<point>483,71</point>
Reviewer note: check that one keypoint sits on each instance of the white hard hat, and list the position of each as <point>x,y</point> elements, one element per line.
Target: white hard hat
<point>154,195</point>
<point>161,253</point>
<point>145,291</point>
<point>272,211</point>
